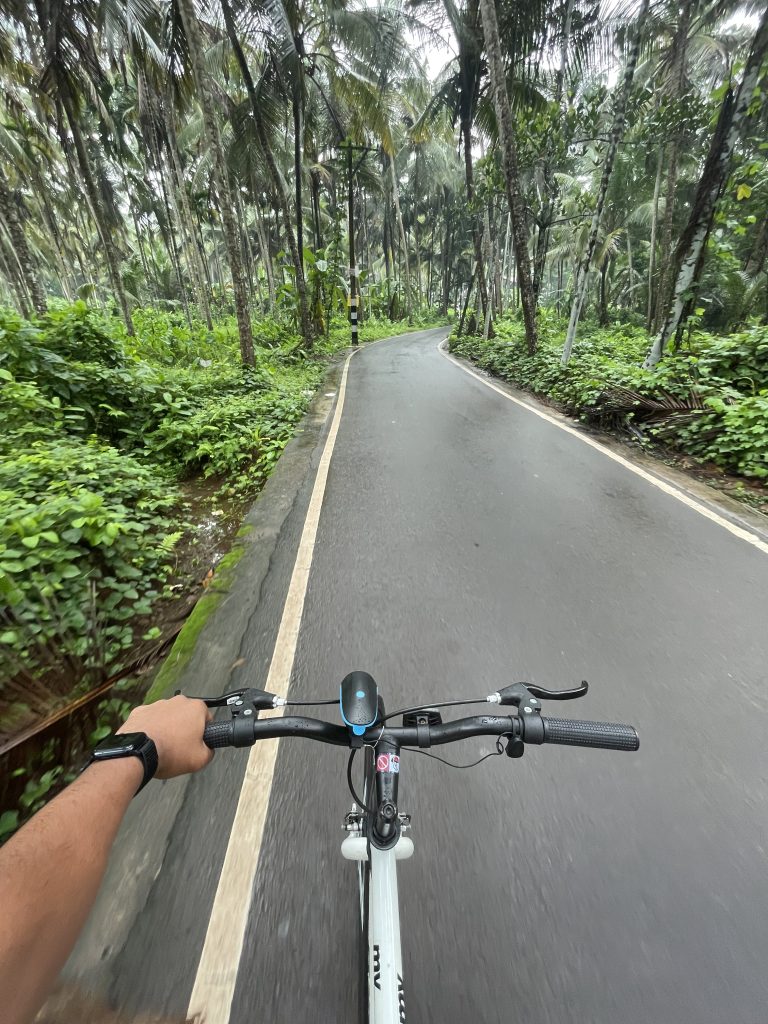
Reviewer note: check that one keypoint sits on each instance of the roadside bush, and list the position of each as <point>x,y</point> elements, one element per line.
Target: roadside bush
<point>270,333</point>
<point>166,338</point>
<point>82,334</point>
<point>238,437</point>
<point>24,354</point>
<point>97,425</point>
<point>83,543</point>
<point>738,359</point>
<point>26,414</point>
<point>733,435</point>
<point>709,400</point>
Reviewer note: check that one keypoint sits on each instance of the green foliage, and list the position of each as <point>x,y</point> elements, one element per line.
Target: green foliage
<point>26,413</point>
<point>740,360</point>
<point>82,334</point>
<point>732,434</point>
<point>709,400</point>
<point>9,822</point>
<point>36,790</point>
<point>238,436</point>
<point>98,427</point>
<point>44,774</point>
<point>109,712</point>
<point>167,339</point>
<point>83,545</point>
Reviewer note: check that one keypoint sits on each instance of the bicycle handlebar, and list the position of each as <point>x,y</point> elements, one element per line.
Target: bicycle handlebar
<point>570,732</point>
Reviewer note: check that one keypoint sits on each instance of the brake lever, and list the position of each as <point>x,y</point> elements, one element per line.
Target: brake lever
<point>577,691</point>
<point>528,695</point>
<point>261,700</point>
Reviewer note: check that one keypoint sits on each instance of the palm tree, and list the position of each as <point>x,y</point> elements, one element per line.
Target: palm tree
<point>460,92</point>
<point>220,175</point>
<point>508,144</point>
<point>616,133</point>
<point>13,213</point>
<point>278,187</point>
<point>691,41</point>
<point>676,79</point>
<point>689,254</point>
<point>548,179</point>
<point>72,69</point>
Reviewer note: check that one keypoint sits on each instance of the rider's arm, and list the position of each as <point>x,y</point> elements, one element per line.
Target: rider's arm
<point>51,869</point>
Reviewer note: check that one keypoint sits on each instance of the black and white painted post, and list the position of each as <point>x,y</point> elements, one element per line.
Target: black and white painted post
<point>352,268</point>
<point>353,316</point>
<point>354,287</point>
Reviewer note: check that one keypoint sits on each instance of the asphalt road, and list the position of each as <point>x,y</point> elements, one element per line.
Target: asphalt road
<point>465,543</point>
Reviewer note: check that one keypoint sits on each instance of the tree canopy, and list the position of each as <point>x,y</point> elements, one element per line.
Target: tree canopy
<point>193,156</point>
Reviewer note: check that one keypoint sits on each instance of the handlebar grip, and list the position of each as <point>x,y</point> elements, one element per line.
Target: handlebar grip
<point>219,734</point>
<point>573,733</point>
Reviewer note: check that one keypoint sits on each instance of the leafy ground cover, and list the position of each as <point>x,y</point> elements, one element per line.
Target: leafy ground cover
<point>125,466</point>
<point>103,436</point>
<point>709,400</point>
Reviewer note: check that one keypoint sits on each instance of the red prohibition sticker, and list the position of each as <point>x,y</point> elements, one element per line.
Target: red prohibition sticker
<point>388,763</point>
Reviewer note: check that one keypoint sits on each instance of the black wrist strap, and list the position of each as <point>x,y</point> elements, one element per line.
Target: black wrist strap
<point>146,753</point>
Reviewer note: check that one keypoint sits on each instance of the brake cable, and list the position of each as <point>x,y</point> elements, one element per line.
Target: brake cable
<point>307,703</point>
<point>360,803</point>
<point>494,753</point>
<point>414,750</point>
<point>429,707</point>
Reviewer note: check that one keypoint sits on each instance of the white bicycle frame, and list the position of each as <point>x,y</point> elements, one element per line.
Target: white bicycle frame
<point>386,994</point>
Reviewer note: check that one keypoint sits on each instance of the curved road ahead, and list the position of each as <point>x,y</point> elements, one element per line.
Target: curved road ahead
<point>465,543</point>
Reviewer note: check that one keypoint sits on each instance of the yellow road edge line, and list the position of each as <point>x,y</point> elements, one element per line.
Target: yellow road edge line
<point>674,492</point>
<point>217,970</point>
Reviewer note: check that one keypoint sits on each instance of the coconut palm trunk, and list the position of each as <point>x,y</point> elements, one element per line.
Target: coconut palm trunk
<point>278,188</point>
<point>508,143</point>
<point>617,131</point>
<point>689,254</point>
<point>97,212</point>
<point>680,49</point>
<point>13,213</point>
<point>551,189</point>
<point>298,132</point>
<point>185,216</point>
<point>652,250</point>
<point>221,179</point>
<point>403,240</point>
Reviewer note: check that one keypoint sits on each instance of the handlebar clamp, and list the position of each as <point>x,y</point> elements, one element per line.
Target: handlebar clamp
<point>244,713</point>
<point>529,711</point>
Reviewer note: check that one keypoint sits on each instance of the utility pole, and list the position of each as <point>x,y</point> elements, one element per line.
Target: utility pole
<point>354,288</point>
<point>353,291</point>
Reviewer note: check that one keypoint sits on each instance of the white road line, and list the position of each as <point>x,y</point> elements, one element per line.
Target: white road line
<point>216,976</point>
<point>662,485</point>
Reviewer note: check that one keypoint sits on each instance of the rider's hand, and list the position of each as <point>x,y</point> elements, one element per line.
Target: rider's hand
<point>176,726</point>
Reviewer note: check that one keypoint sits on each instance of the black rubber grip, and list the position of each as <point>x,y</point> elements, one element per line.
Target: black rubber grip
<point>219,734</point>
<point>573,733</point>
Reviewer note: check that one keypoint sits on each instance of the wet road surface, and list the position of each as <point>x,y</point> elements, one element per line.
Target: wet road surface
<point>465,543</point>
